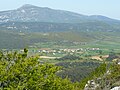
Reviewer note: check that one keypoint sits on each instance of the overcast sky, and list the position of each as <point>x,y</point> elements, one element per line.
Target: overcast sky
<point>109,8</point>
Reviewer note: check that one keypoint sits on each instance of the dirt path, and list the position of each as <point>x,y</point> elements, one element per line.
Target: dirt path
<point>47,57</point>
<point>98,57</point>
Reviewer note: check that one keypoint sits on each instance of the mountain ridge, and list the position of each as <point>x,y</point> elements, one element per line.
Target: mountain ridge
<point>17,25</point>
<point>31,13</point>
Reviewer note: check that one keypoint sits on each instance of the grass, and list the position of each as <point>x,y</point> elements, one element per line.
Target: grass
<point>80,39</point>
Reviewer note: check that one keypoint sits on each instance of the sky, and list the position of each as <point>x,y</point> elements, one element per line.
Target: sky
<point>109,8</point>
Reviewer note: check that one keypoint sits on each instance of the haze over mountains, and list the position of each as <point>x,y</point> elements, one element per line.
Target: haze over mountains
<point>30,13</point>
<point>56,20</point>
<point>16,24</point>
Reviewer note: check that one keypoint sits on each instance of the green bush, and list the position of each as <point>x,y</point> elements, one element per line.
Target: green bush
<point>19,72</point>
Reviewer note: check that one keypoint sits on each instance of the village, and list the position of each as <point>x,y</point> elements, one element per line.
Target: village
<point>50,53</point>
<point>47,51</point>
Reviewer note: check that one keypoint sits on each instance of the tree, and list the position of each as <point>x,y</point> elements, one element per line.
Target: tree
<point>17,71</point>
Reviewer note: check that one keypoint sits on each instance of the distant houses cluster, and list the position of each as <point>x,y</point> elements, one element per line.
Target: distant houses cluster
<point>48,50</point>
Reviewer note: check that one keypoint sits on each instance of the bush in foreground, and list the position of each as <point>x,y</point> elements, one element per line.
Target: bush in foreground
<point>19,72</point>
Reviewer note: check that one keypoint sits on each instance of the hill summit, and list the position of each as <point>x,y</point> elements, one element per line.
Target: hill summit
<point>31,13</point>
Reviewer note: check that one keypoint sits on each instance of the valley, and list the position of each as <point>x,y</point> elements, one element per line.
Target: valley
<point>77,47</point>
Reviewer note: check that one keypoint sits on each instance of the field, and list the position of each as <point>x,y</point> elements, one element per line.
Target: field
<point>79,53</point>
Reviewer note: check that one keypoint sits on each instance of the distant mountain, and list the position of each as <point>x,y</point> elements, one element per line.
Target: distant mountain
<point>18,27</point>
<point>29,18</point>
<point>31,13</point>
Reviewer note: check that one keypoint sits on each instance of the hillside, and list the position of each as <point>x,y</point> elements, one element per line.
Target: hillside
<point>19,71</point>
<point>31,25</point>
<point>58,27</point>
<point>11,39</point>
<point>105,77</point>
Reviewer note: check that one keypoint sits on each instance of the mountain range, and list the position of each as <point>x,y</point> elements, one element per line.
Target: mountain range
<point>18,25</point>
<point>31,13</point>
<point>43,19</point>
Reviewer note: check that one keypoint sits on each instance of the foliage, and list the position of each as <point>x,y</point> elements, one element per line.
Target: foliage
<point>106,75</point>
<point>69,34</point>
<point>99,71</point>
<point>114,76</point>
<point>76,71</point>
<point>69,57</point>
<point>10,40</point>
<point>17,71</point>
<point>113,56</point>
